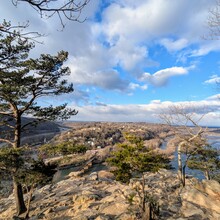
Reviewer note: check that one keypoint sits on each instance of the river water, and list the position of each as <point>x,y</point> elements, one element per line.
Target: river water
<point>63,173</point>
<point>214,141</point>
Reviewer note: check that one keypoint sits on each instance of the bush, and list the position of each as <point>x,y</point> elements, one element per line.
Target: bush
<point>63,148</point>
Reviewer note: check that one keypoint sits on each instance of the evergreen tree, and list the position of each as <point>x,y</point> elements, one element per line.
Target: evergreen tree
<point>23,82</point>
<point>132,158</point>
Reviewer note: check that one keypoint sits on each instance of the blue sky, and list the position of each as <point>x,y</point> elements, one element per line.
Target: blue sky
<point>131,60</point>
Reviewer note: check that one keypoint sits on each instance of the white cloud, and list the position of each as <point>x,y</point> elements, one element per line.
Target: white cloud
<point>134,86</point>
<point>214,97</point>
<point>149,112</point>
<point>172,45</point>
<point>155,102</point>
<point>108,79</point>
<point>128,55</point>
<point>94,68</point>
<point>215,79</point>
<point>141,22</point>
<point>161,77</point>
<point>205,48</point>
<point>155,18</point>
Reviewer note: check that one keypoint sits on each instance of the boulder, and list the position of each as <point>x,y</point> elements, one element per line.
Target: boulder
<point>105,175</point>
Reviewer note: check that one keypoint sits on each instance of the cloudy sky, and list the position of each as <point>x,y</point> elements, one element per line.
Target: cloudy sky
<point>130,60</point>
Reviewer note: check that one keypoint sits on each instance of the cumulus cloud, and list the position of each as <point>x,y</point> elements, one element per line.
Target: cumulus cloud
<point>128,55</point>
<point>107,79</point>
<point>122,35</point>
<point>214,79</point>
<point>143,20</point>
<point>161,77</point>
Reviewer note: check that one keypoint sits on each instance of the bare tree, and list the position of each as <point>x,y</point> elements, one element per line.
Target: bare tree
<point>188,132</point>
<point>213,22</point>
<point>69,9</point>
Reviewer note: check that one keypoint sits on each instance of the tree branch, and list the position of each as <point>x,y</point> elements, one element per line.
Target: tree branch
<point>16,30</point>
<point>213,22</point>
<point>6,114</point>
<point>70,9</point>
<point>6,141</point>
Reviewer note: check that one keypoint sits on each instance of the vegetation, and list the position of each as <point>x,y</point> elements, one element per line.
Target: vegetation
<point>64,148</point>
<point>35,174</point>
<point>31,173</point>
<point>23,82</point>
<point>132,158</point>
<point>206,159</point>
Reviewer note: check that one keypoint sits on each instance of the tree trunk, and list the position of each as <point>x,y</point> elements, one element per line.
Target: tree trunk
<point>184,175</point>
<point>18,192</point>
<point>29,201</point>
<point>147,213</point>
<point>19,199</point>
<point>17,131</point>
<point>143,193</point>
<point>207,176</point>
<point>180,166</point>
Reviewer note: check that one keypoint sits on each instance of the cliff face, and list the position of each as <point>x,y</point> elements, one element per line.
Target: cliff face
<point>98,196</point>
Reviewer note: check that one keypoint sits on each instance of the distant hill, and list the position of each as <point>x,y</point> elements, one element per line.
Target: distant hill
<point>33,134</point>
<point>41,128</point>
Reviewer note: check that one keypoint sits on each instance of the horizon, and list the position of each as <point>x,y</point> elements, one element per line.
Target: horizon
<point>130,122</point>
<point>132,60</point>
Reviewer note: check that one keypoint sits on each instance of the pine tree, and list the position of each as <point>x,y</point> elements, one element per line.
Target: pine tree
<point>23,82</point>
<point>132,158</point>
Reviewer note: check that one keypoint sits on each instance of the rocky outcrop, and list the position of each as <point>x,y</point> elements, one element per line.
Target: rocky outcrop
<point>202,200</point>
<point>97,196</point>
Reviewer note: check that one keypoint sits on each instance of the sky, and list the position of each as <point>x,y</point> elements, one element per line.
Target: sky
<point>131,60</point>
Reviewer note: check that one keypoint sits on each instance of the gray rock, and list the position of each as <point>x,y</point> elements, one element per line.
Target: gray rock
<point>93,176</point>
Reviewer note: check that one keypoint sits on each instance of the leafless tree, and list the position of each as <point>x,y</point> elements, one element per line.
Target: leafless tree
<point>188,132</point>
<point>213,22</point>
<point>64,9</point>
